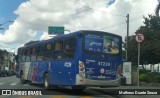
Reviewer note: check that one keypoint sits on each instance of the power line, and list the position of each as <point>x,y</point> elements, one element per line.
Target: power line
<point>96,9</point>
<point>135,19</point>
<point>139,17</point>
<point>131,20</point>
<point>122,23</point>
<point>113,25</point>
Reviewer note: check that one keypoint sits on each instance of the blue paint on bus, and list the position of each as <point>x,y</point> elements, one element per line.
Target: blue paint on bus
<point>80,58</point>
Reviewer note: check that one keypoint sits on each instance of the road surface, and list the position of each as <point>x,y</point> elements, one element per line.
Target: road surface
<point>12,82</point>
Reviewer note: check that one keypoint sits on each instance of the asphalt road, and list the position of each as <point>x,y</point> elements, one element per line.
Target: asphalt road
<point>12,82</point>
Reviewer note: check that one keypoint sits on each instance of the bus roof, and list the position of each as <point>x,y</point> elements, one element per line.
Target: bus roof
<point>63,36</point>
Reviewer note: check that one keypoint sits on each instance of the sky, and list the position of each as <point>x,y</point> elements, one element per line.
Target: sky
<point>32,18</point>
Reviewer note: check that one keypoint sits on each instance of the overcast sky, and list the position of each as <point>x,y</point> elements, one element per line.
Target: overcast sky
<point>33,17</point>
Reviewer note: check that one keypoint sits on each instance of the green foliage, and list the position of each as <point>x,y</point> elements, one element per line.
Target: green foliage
<point>144,71</point>
<point>143,77</point>
<point>150,77</point>
<point>158,79</point>
<point>132,50</point>
<point>134,67</point>
<point>150,50</point>
<point>123,54</point>
<point>2,55</point>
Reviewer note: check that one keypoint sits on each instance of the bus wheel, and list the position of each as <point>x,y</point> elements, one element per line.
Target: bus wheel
<point>46,81</point>
<point>79,87</point>
<point>22,78</point>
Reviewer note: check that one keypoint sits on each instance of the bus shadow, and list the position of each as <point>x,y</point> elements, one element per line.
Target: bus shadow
<point>62,90</point>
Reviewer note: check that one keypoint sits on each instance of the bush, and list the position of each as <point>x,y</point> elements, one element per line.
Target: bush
<point>143,77</point>
<point>158,79</point>
<point>150,77</point>
<point>144,71</point>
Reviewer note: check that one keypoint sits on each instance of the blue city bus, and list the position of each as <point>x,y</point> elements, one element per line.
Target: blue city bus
<point>80,59</point>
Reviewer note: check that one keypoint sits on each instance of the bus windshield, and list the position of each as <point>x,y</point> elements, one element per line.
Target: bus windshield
<point>101,43</point>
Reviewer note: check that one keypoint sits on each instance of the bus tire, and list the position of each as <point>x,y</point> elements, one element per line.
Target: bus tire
<point>46,81</point>
<point>22,80</point>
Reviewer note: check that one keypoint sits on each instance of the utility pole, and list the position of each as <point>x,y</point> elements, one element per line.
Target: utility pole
<point>127,37</point>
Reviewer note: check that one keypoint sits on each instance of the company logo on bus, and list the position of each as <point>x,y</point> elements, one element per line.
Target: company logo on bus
<point>67,64</point>
<point>102,70</point>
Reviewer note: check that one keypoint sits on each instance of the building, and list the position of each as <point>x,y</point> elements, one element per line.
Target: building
<point>9,61</point>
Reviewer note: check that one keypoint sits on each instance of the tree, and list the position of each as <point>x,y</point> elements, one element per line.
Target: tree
<point>157,9</point>
<point>150,50</point>
<point>3,53</point>
<point>132,49</point>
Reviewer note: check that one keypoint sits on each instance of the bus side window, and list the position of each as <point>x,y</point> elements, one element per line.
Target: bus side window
<point>40,56</point>
<point>66,46</point>
<point>69,47</point>
<point>40,52</point>
<point>41,48</point>
<point>28,58</point>
<point>48,55</point>
<point>33,54</point>
<point>18,56</point>
<point>49,47</point>
<point>58,45</point>
<point>58,50</point>
<point>81,35</point>
<point>23,56</point>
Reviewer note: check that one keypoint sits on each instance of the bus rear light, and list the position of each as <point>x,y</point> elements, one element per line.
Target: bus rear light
<point>81,69</point>
<point>81,65</point>
<point>119,71</point>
